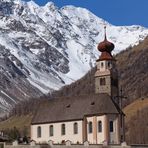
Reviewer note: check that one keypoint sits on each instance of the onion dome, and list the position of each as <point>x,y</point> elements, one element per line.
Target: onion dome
<point>106,48</point>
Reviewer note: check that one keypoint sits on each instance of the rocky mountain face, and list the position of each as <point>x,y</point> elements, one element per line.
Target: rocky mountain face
<point>133,71</point>
<point>45,48</point>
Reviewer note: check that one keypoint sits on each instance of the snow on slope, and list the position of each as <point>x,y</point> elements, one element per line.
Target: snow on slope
<point>49,47</point>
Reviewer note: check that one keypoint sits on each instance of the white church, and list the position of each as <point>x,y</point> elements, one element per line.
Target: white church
<point>95,118</point>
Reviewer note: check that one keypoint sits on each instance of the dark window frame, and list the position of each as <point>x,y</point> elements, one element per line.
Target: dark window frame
<point>111,126</point>
<point>63,129</point>
<point>102,64</point>
<point>100,126</point>
<point>75,128</point>
<point>51,131</point>
<point>90,127</point>
<point>39,132</point>
<point>109,64</point>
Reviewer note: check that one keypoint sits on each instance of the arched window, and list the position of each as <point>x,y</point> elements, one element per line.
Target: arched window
<point>51,130</point>
<point>99,126</point>
<point>111,126</point>
<point>63,131</point>
<point>109,64</point>
<point>90,127</point>
<point>39,131</point>
<point>102,81</point>
<point>75,128</point>
<point>102,64</point>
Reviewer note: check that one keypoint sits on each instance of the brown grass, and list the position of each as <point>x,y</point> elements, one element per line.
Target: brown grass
<point>136,122</point>
<point>17,121</point>
<point>132,109</point>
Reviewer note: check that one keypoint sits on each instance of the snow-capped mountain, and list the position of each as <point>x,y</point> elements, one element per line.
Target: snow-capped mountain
<point>43,48</point>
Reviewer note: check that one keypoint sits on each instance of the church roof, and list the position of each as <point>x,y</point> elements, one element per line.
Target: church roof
<point>74,108</point>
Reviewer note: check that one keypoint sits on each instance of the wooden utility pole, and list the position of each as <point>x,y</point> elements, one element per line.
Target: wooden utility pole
<point>121,97</point>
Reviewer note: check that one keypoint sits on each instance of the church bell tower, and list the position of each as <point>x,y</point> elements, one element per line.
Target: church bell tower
<point>106,76</point>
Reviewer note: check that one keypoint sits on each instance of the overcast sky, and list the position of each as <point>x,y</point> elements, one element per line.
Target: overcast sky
<point>117,12</point>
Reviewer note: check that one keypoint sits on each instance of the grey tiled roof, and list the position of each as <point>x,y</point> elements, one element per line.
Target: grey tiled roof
<point>74,108</point>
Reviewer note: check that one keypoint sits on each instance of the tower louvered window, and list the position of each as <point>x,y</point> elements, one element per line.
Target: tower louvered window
<point>102,81</point>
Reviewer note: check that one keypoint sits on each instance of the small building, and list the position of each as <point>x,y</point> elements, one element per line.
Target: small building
<point>95,118</point>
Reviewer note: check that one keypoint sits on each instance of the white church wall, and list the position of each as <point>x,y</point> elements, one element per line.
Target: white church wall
<point>93,138</point>
<point>114,136</point>
<point>89,135</point>
<point>58,137</point>
<point>100,136</point>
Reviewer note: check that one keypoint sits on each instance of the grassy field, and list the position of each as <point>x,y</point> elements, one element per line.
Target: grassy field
<point>17,121</point>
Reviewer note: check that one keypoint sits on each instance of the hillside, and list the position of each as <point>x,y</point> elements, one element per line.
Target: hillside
<point>43,48</point>
<point>132,109</point>
<point>133,70</point>
<point>136,121</point>
<point>133,75</point>
<point>21,124</point>
<point>85,85</point>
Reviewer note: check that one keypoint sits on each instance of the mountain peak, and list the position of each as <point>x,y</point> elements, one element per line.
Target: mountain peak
<point>33,6</point>
<point>17,1</point>
<point>50,6</point>
<point>32,3</point>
